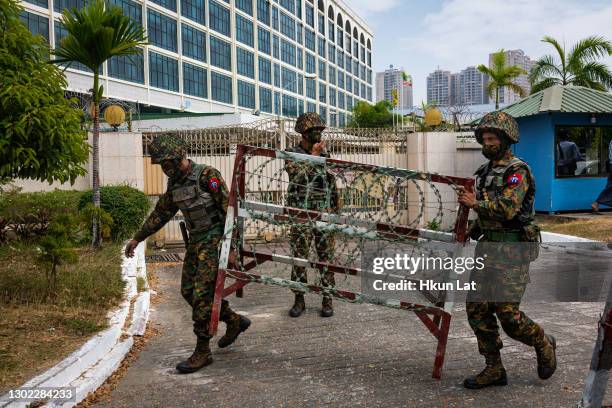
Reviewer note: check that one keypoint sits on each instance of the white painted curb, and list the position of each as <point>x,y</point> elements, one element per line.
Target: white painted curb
<point>88,367</point>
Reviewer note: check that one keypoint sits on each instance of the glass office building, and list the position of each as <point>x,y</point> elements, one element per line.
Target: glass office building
<point>281,57</point>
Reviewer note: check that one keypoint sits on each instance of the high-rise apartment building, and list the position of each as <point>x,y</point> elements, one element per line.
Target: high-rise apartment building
<point>515,57</point>
<point>439,87</point>
<point>393,78</point>
<point>279,57</point>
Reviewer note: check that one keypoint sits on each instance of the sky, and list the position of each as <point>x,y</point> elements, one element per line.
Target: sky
<point>421,36</point>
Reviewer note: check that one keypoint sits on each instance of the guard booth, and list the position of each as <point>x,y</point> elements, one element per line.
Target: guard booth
<point>565,137</point>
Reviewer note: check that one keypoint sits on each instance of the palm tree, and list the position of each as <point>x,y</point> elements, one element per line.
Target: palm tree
<point>95,34</point>
<point>579,67</point>
<point>501,75</point>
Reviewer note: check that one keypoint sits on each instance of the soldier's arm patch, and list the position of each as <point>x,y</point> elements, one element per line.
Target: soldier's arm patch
<point>514,180</point>
<point>214,184</point>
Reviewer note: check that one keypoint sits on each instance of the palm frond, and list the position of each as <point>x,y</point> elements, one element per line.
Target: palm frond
<point>589,49</point>
<point>544,83</point>
<point>594,73</point>
<point>516,88</point>
<point>543,68</point>
<point>558,47</point>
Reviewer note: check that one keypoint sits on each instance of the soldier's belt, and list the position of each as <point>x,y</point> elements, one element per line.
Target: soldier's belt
<point>503,235</point>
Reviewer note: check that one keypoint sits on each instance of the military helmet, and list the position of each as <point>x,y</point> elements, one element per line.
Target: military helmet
<point>499,123</point>
<point>308,121</point>
<point>167,147</point>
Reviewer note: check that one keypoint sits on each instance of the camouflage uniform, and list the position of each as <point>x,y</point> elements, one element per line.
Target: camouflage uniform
<point>505,206</point>
<point>202,196</point>
<point>311,188</point>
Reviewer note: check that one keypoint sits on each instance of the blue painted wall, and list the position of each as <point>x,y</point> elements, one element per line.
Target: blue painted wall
<point>537,148</point>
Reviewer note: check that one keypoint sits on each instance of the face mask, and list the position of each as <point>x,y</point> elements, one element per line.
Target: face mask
<point>493,152</point>
<point>171,168</point>
<point>314,136</point>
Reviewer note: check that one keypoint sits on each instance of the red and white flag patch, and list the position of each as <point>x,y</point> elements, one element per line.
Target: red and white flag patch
<point>214,184</point>
<point>514,180</point>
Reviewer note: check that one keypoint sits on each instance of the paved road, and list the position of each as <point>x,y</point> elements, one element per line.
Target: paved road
<point>363,356</point>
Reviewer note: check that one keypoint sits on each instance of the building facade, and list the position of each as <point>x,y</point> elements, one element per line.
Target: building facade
<point>390,79</point>
<point>471,87</point>
<point>515,57</point>
<point>278,57</point>
<point>439,88</point>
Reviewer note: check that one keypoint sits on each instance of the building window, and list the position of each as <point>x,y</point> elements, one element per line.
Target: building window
<point>246,95</point>
<point>289,106</point>
<point>288,52</point>
<point>331,53</point>
<point>61,5</point>
<point>356,68</point>
<point>340,79</point>
<point>363,91</point>
<point>163,72</point>
<point>356,87</point>
<point>349,84</point>
<point>582,151</point>
<point>169,4</point>
<point>332,97</point>
<point>300,107</point>
<point>369,58</point>
<point>289,5</point>
<point>311,107</point>
<point>309,15</point>
<point>194,80</point>
<point>298,9</point>
<point>162,31</point>
<point>340,38</point>
<point>362,73</point>
<point>369,91</point>
<point>219,18</point>
<point>349,102</point>
<point>341,120</point>
<point>300,59</point>
<point>309,39</point>
<point>321,47</point>
<point>322,70</point>
<point>275,18</point>
<point>265,100</point>
<point>332,75</point>
<point>332,31</point>
<point>341,100</point>
<point>356,49</point>
<point>263,11</point>
<point>245,63</point>
<point>310,63</point>
<point>194,10</point>
<point>130,8</point>
<point>127,67</point>
<point>322,24</point>
<point>277,101</point>
<point>61,32</point>
<point>275,46</point>
<point>363,54</point>
<point>287,25</point>
<point>277,79</point>
<point>322,93</point>
<point>221,87</point>
<point>265,71</point>
<point>323,113</point>
<point>289,80</point>
<point>245,5</point>
<point>244,31</point>
<point>263,38</point>
<point>340,58</point>
<point>311,90</point>
<point>38,25</point>
<point>40,3</point>
<point>300,83</point>
<point>220,53</point>
<point>349,65</point>
<point>194,43</point>
<point>300,34</point>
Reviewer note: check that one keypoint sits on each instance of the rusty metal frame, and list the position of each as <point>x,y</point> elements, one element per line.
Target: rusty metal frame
<point>436,318</point>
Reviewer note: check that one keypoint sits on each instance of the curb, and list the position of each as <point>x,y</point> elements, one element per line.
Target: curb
<point>87,368</point>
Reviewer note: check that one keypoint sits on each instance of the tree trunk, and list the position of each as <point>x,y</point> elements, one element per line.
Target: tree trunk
<point>497,98</point>
<point>96,239</point>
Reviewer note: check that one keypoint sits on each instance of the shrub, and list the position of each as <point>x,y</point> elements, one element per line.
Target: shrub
<point>28,214</point>
<point>126,205</point>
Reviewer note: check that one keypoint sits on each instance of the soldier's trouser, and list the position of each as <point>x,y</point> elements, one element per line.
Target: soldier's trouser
<point>198,284</point>
<point>482,316</point>
<point>300,239</point>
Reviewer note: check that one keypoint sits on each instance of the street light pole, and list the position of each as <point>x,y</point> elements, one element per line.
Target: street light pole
<point>284,87</point>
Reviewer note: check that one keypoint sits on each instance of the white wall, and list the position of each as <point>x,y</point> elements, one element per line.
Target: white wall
<point>121,162</point>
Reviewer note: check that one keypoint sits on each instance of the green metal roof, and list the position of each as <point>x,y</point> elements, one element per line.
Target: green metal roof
<point>562,98</point>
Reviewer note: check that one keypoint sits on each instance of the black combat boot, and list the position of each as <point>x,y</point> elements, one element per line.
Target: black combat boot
<point>547,356</point>
<point>298,306</point>
<point>326,307</point>
<point>236,324</point>
<point>201,357</point>
<point>493,374</point>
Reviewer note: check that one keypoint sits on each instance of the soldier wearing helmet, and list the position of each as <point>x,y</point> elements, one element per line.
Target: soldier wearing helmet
<point>202,196</point>
<point>312,188</point>
<point>504,203</point>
